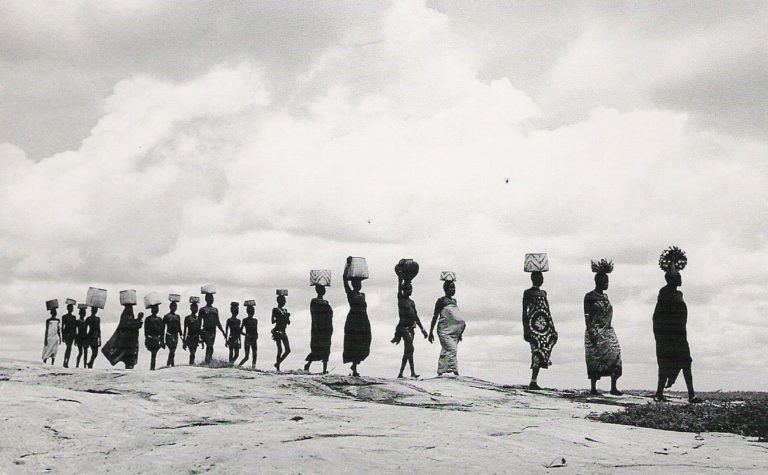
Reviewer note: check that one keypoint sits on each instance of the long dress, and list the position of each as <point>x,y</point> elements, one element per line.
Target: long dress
<point>357,329</point>
<point>123,346</point>
<point>538,327</point>
<point>601,345</point>
<point>322,330</point>
<point>52,335</point>
<point>450,328</point>
<point>670,318</point>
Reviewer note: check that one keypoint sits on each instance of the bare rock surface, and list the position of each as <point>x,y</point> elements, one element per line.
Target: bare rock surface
<point>194,420</point>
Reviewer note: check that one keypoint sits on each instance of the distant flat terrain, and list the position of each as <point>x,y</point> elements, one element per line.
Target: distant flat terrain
<point>195,420</point>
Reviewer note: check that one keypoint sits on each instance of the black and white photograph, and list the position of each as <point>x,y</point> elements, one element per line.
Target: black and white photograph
<point>383,236</point>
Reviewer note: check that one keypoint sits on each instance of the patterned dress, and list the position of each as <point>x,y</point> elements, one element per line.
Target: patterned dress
<point>450,328</point>
<point>601,345</point>
<point>538,327</point>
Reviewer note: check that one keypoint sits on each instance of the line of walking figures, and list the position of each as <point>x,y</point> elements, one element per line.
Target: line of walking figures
<point>602,350</point>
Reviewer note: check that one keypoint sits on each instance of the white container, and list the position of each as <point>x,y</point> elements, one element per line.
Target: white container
<point>128,297</point>
<point>81,306</point>
<point>283,292</point>
<point>208,289</point>
<point>174,297</point>
<point>152,299</point>
<point>536,262</point>
<point>51,304</point>
<point>194,299</point>
<point>320,277</point>
<point>70,302</point>
<point>249,303</point>
<point>96,297</point>
<point>357,268</point>
<point>448,276</point>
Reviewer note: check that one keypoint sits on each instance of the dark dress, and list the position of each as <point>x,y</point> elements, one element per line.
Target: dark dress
<point>124,344</point>
<point>322,330</point>
<point>357,329</point>
<point>669,327</point>
<point>601,345</point>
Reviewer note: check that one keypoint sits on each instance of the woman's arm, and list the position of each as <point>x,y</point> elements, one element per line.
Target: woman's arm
<point>526,321</point>
<point>589,318</point>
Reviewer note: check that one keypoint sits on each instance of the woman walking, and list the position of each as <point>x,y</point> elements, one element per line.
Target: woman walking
<point>357,328</point>
<point>450,329</point>
<point>281,318</point>
<point>52,337</point>
<point>601,345</point>
<point>322,329</point>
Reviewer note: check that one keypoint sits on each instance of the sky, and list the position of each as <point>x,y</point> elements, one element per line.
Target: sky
<point>164,145</point>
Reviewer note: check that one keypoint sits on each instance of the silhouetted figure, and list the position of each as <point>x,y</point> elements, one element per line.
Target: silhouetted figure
<point>670,318</point>
<point>210,316</point>
<point>81,335</point>
<point>322,329</point>
<point>68,330</point>
<point>538,327</point>
<point>232,332</point>
<point>450,329</point>
<point>406,326</point>
<point>172,323</point>
<point>193,325</point>
<point>281,318</point>
<point>357,327</point>
<point>601,345</point>
<point>52,337</point>
<point>154,330</point>
<point>123,346</point>
<point>250,331</point>
<point>93,324</point>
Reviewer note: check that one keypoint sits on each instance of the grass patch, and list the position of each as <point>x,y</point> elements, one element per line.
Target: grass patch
<point>726,412</point>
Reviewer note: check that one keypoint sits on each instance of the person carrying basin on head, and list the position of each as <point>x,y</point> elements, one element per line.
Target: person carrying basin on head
<point>250,331</point>
<point>322,320</point>
<point>601,345</point>
<point>154,329</point>
<point>210,317</point>
<point>281,318</point>
<point>69,329</point>
<point>172,324</point>
<point>406,271</point>
<point>357,327</point>
<point>193,325</point>
<point>52,335</point>
<point>538,327</point>
<point>232,332</point>
<point>450,326</point>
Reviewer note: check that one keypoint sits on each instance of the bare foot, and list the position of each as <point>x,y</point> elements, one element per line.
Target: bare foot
<point>695,400</point>
<point>659,398</point>
<point>616,392</point>
<point>277,367</point>
<point>400,376</point>
<point>415,376</point>
<point>594,392</point>
<point>534,387</point>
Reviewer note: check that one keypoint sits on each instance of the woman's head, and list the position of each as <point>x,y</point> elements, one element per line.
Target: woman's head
<point>193,307</point>
<point>82,311</point>
<point>357,284</point>
<point>281,300</point>
<point>407,289</point>
<point>53,312</point>
<point>234,308</point>
<point>209,299</point>
<point>449,287</point>
<point>320,289</point>
<point>537,278</point>
<point>250,310</point>
<point>601,281</point>
<point>174,306</point>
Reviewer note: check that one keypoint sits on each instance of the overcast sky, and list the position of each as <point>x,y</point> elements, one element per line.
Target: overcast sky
<point>164,145</point>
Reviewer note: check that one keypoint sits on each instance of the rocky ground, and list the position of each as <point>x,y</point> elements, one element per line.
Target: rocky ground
<point>194,420</point>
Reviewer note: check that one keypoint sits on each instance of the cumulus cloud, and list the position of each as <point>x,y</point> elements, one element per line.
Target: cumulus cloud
<point>394,142</point>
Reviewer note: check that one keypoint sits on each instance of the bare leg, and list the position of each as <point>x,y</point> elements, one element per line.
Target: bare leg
<point>534,376</point>
<point>279,354</point>
<point>67,353</point>
<point>94,354</point>
<point>247,354</point>
<point>287,350</point>
<point>354,370</point>
<point>85,356</point>
<point>79,355</point>
<point>688,375</point>
<point>306,366</point>
<point>325,366</point>
<point>402,366</point>
<point>594,386</point>
<point>413,371</point>
<point>152,360</point>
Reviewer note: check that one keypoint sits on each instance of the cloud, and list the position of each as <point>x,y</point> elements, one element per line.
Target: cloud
<point>394,143</point>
